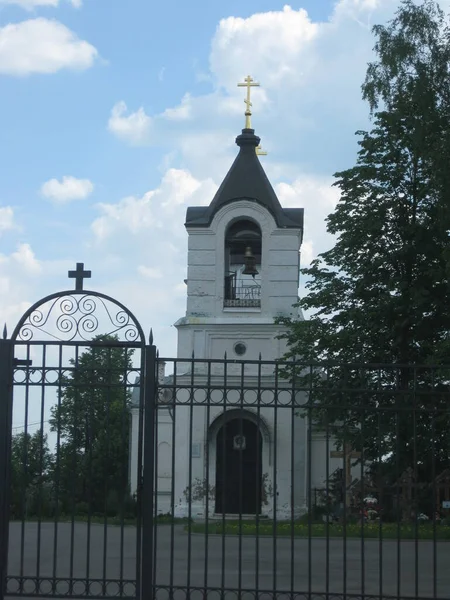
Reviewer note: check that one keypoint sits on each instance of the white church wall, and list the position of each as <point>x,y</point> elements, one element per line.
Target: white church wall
<point>214,338</point>
<point>201,238</point>
<point>283,270</point>
<point>163,490</point>
<point>283,451</point>
<point>209,330</point>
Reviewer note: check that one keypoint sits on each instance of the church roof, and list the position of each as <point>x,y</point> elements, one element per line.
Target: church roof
<point>247,180</point>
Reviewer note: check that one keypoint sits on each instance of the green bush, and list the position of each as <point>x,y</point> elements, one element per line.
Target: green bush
<point>112,504</point>
<point>82,509</point>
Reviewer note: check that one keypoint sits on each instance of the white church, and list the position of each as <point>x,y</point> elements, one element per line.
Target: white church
<point>246,455</point>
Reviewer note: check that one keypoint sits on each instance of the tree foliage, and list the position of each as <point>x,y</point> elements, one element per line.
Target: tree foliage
<point>31,474</point>
<point>382,293</point>
<point>92,420</point>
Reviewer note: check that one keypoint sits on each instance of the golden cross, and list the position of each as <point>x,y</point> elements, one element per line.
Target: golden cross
<point>248,83</point>
<point>260,151</point>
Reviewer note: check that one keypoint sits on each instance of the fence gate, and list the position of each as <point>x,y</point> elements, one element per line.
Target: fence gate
<point>70,523</point>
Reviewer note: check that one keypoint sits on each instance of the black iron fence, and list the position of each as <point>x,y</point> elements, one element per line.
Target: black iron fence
<point>126,475</point>
<point>292,480</point>
<point>70,526</point>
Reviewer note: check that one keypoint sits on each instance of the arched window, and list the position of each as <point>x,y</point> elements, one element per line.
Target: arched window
<point>243,249</point>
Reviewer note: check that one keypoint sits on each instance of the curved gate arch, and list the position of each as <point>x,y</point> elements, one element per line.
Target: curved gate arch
<point>74,359</point>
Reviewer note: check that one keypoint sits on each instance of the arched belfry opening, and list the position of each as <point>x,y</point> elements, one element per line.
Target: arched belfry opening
<point>243,259</point>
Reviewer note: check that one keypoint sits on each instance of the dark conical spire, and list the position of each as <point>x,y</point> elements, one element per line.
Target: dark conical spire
<point>246,180</point>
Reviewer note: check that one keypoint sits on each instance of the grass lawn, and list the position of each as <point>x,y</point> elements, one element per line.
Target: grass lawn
<point>161,520</point>
<point>406,531</point>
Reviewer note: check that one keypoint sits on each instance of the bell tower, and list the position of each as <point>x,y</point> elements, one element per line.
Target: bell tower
<point>243,262</point>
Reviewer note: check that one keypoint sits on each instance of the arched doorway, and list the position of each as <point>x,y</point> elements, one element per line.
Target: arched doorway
<point>238,467</point>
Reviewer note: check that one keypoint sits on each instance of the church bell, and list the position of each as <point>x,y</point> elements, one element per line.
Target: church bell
<point>250,263</point>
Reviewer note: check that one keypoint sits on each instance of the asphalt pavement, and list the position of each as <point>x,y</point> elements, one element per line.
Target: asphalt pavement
<point>97,560</point>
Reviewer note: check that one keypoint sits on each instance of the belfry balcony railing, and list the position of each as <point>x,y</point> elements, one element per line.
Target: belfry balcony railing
<point>241,293</point>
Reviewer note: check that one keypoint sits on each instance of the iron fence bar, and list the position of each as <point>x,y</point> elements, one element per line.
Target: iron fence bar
<point>416,506</point>
<point>207,477</point>
<point>385,409</point>
<point>241,478</point>
<point>292,494</point>
<point>156,467</point>
<point>24,474</point>
<point>307,364</point>
<point>275,481</point>
<point>380,526</point>
<point>41,459</point>
<point>139,474</point>
<point>309,481</point>
<point>126,423</point>
<point>345,484</point>
<point>362,476</point>
<point>259,480</point>
<point>147,574</point>
<point>223,466</point>
<point>397,477</point>
<point>172,484</point>
<point>57,475</point>
<point>190,442</point>
<point>433,478</point>
<point>72,343</point>
<point>90,418</point>
<point>327,483</point>
<point>6,370</point>
<point>74,479</point>
<point>106,396</point>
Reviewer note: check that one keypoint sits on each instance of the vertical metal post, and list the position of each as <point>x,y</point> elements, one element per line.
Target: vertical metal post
<point>150,391</point>
<point>6,367</point>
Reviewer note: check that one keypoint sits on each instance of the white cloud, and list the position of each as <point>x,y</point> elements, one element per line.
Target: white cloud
<point>281,37</point>
<point>6,218</point>
<point>134,128</point>
<point>69,188</point>
<point>132,214</point>
<point>31,4</point>
<point>181,112</point>
<point>149,272</point>
<point>148,233</point>
<point>161,209</point>
<point>317,196</point>
<point>25,257</point>
<point>42,46</point>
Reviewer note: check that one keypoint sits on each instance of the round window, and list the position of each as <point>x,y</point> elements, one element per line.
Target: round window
<point>240,348</point>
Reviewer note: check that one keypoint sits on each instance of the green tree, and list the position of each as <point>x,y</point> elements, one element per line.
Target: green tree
<point>382,293</point>
<point>31,465</point>
<point>93,421</point>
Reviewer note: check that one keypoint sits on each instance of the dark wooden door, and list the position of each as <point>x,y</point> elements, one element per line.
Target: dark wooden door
<point>238,468</point>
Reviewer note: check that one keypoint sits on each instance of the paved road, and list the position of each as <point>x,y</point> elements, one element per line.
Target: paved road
<point>245,565</point>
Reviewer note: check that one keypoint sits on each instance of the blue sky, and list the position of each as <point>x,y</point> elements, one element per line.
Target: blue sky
<point>117,115</point>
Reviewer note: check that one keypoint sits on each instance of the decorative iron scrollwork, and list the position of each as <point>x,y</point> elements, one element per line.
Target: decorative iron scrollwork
<point>69,317</point>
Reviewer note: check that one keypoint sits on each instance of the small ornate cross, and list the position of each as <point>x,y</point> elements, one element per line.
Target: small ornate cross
<point>79,275</point>
<point>248,83</point>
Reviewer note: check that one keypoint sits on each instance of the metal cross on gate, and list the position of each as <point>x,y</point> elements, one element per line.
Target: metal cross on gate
<point>79,275</point>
